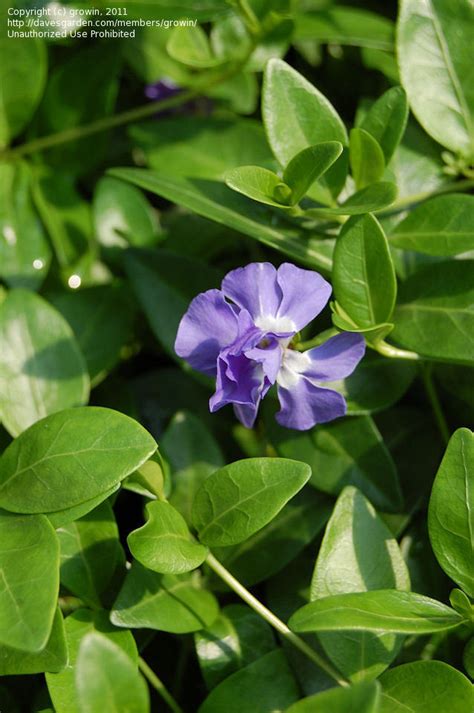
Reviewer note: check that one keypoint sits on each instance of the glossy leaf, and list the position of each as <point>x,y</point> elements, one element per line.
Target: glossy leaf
<point>435,314</point>
<point>238,500</point>
<point>237,638</point>
<point>366,158</point>
<point>296,115</point>
<point>163,602</point>
<point>386,120</point>
<point>368,200</point>
<point>60,518</point>
<point>378,611</point>
<point>23,63</point>
<point>346,26</point>
<point>122,216</point>
<point>451,511</point>
<point>346,452</point>
<point>190,46</point>
<point>107,679</point>
<point>361,698</point>
<point>260,184</point>
<point>52,658</point>
<point>441,226</point>
<point>29,563</point>
<point>262,687</point>
<point>215,201</point>
<point>355,539</point>
<point>308,165</point>
<point>164,543</point>
<point>61,686</point>
<point>90,553</point>
<point>70,457</point>
<point>41,367</point>
<point>434,51</point>
<point>24,250</point>
<point>429,686</point>
<point>364,277</point>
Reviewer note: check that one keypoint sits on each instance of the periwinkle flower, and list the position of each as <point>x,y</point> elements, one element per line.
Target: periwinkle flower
<point>242,334</point>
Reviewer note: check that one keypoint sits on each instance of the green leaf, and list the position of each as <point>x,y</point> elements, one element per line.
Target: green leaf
<point>52,658</point>
<point>367,200</point>
<point>347,452</point>
<point>202,147</point>
<point>361,698</point>
<point>190,45</point>
<point>164,543</point>
<point>41,367</point>
<point>238,500</point>
<point>237,638</point>
<point>61,686</point>
<point>215,201</point>
<point>90,553</point>
<point>122,216</point>
<point>70,457</point>
<point>379,611</point>
<point>296,115</point>
<point>363,277</point>
<point>468,657</point>
<point>270,549</point>
<point>461,603</point>
<point>386,120</point>
<point>162,601</point>
<point>101,318</point>
<point>29,563</point>
<point>164,283</point>
<point>264,686</point>
<point>345,26</point>
<point>376,384</point>
<point>366,158</point>
<point>451,511</point>
<point>428,686</point>
<point>435,314</point>
<point>355,539</point>
<point>107,679</point>
<point>23,66</point>
<point>193,454</point>
<point>434,53</point>
<point>441,226</point>
<point>260,184</point>
<point>308,165</point>
<point>24,250</point>
<point>60,518</point>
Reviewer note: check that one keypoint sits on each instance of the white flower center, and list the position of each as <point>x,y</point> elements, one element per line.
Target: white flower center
<point>293,364</point>
<point>268,323</point>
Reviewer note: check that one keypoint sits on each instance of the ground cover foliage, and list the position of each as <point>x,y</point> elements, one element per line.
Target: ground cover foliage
<point>156,556</point>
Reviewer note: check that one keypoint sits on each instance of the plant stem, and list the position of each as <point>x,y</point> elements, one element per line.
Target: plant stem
<point>394,353</point>
<point>273,620</point>
<point>155,682</point>
<point>431,392</point>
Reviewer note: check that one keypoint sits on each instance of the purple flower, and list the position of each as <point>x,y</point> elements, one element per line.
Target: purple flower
<point>242,334</point>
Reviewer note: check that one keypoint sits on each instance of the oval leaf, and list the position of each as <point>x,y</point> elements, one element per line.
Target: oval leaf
<point>308,165</point>
<point>41,367</point>
<point>236,501</point>
<point>451,511</point>
<point>386,120</point>
<point>71,457</point>
<point>366,158</point>
<point>361,698</point>
<point>164,543</point>
<point>257,183</point>
<point>29,567</point>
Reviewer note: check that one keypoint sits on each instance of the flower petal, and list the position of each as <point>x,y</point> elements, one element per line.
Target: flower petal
<point>336,358</point>
<point>239,381</point>
<point>269,356</point>
<point>246,414</point>
<point>209,325</point>
<point>305,294</point>
<point>254,288</point>
<point>304,405</point>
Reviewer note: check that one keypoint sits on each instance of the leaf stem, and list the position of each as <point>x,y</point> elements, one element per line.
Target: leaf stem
<point>392,352</point>
<point>273,620</point>
<point>431,392</point>
<point>155,682</point>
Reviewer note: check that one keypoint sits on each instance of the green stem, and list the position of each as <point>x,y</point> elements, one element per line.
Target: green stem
<point>315,341</point>
<point>431,392</point>
<point>424,195</point>
<point>394,353</point>
<point>126,117</point>
<point>155,682</point>
<point>273,620</point>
